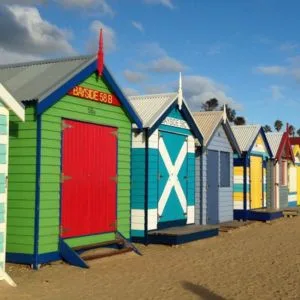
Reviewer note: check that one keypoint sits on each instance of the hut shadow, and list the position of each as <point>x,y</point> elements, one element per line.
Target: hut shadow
<point>201,291</point>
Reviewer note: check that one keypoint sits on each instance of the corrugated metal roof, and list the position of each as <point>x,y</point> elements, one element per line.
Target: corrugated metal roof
<point>207,121</point>
<point>32,80</point>
<point>245,135</point>
<point>151,107</point>
<point>274,140</point>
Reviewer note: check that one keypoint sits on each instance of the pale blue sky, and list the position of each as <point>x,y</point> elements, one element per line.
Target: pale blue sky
<point>246,53</point>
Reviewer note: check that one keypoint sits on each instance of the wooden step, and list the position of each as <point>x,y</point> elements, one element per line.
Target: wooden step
<point>100,254</point>
<point>98,245</point>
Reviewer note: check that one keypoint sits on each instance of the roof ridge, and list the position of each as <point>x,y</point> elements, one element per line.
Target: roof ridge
<point>46,61</point>
<point>152,95</point>
<point>208,112</point>
<point>246,125</point>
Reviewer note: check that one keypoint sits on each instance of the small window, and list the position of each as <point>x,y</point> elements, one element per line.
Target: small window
<point>225,169</point>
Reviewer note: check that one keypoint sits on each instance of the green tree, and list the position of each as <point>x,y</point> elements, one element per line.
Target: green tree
<point>278,125</point>
<point>292,130</point>
<point>210,105</point>
<point>239,121</point>
<point>267,128</point>
<point>298,132</point>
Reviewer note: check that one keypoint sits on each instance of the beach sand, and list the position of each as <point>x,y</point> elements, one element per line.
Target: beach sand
<point>259,261</point>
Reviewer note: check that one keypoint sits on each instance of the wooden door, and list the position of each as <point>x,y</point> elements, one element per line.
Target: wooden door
<point>172,179</point>
<point>212,187</point>
<point>89,182</point>
<point>256,182</point>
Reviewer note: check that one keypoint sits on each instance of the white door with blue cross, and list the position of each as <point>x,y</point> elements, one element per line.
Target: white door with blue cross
<point>172,179</point>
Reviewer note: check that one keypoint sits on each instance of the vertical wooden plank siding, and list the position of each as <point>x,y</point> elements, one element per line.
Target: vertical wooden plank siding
<point>219,142</point>
<point>138,176</point>
<point>292,185</point>
<point>86,111</point>
<point>138,172</point>
<point>4,117</point>
<point>22,177</point>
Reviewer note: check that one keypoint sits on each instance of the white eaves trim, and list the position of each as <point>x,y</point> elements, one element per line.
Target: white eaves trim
<point>11,103</point>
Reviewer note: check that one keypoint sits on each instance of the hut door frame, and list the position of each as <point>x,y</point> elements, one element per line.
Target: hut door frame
<point>111,226</point>
<point>262,182</point>
<point>173,184</point>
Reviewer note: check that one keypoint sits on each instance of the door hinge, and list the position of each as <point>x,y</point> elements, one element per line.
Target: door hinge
<point>63,229</point>
<point>114,133</point>
<point>64,177</point>
<point>65,125</point>
<point>114,178</point>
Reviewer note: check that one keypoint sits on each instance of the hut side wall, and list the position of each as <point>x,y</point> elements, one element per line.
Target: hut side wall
<point>22,178</point>
<point>220,143</point>
<point>87,111</point>
<point>4,117</point>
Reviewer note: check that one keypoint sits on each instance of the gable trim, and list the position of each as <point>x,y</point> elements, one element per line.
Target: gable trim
<point>62,90</point>
<point>263,135</point>
<point>11,103</point>
<point>187,116</point>
<point>285,144</point>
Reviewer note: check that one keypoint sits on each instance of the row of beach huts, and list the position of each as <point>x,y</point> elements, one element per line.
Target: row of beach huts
<point>83,166</point>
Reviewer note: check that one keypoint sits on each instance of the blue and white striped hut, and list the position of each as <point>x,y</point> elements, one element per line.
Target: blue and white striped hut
<point>7,104</point>
<point>163,165</point>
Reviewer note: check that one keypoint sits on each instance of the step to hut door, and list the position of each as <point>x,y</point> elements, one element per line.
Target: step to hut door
<point>88,179</point>
<point>172,179</point>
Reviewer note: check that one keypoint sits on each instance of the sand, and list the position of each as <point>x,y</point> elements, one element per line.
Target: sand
<point>260,261</point>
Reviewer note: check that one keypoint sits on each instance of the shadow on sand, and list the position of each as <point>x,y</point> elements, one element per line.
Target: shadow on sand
<point>201,291</point>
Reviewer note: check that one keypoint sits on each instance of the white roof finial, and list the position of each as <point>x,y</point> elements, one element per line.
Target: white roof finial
<point>224,113</point>
<point>180,95</point>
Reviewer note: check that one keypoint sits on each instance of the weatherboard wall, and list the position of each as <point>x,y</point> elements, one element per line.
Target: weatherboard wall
<point>142,191</point>
<point>219,142</point>
<point>22,178</point>
<point>70,107</point>
<point>22,172</point>
<point>4,126</point>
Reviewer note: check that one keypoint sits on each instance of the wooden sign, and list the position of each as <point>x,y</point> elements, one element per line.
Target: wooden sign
<point>94,95</point>
<point>175,123</point>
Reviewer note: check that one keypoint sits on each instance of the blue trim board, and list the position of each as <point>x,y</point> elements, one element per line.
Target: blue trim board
<point>20,258</point>
<point>187,116</point>
<point>37,193</point>
<point>146,204</point>
<point>70,256</point>
<point>240,214</point>
<point>167,239</point>
<point>55,96</point>
<point>107,75</point>
<point>193,126</point>
<point>162,225</point>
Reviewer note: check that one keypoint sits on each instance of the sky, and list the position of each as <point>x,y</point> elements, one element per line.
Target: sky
<point>244,53</point>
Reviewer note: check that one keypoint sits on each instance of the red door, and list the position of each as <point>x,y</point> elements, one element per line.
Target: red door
<point>89,169</point>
